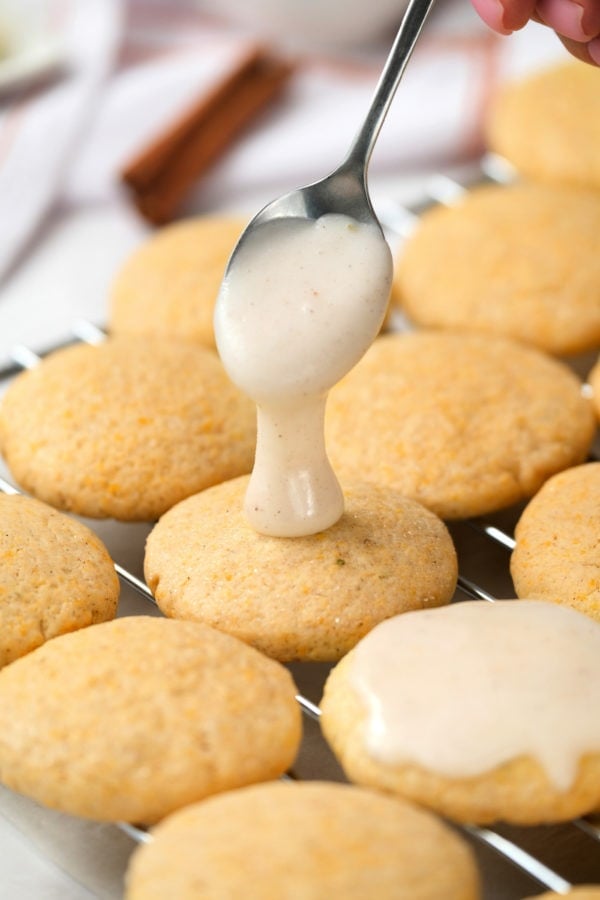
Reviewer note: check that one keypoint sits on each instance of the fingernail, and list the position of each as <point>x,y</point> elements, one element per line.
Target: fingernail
<point>492,13</point>
<point>593,49</point>
<point>566,18</point>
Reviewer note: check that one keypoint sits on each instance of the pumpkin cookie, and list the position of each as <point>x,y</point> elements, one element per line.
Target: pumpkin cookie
<point>519,260</point>
<point>299,598</point>
<point>125,429</point>
<point>169,285</point>
<point>55,576</point>
<point>479,711</point>
<point>557,554</point>
<point>548,124</point>
<point>463,423</point>
<point>132,719</point>
<point>313,840</point>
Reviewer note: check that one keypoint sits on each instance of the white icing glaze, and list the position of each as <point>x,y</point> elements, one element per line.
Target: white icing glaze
<point>298,308</point>
<point>462,689</point>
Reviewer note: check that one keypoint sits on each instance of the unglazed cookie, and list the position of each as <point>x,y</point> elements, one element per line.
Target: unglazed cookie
<point>55,576</point>
<point>135,718</point>
<point>548,124</point>
<point>299,598</point>
<point>557,552</point>
<point>582,892</point>
<point>311,840</point>
<point>169,285</point>
<point>479,711</point>
<point>519,260</point>
<point>463,423</point>
<point>125,429</point>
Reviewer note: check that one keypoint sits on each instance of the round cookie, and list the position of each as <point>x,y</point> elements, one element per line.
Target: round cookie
<point>311,840</point>
<point>169,285</point>
<point>582,892</point>
<point>55,576</point>
<point>463,423</point>
<point>519,260</point>
<point>308,598</point>
<point>548,124</point>
<point>127,428</point>
<point>135,718</point>
<point>557,552</point>
<point>479,711</point>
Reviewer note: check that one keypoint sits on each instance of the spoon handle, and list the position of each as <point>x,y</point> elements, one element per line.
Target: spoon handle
<point>410,28</point>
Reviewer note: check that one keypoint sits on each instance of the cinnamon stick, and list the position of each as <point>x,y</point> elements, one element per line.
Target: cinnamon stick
<point>161,175</point>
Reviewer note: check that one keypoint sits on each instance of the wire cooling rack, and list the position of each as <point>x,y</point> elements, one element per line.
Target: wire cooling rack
<point>514,862</point>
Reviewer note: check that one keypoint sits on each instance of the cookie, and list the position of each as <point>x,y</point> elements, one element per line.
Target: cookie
<point>55,576</point>
<point>519,260</point>
<point>311,840</point>
<point>548,124</point>
<point>463,423</point>
<point>479,711</point>
<point>308,598</point>
<point>557,552</point>
<point>582,892</point>
<point>169,285</point>
<point>127,428</point>
<point>135,718</point>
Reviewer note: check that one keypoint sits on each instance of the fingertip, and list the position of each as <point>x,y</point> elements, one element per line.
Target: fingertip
<point>517,13</point>
<point>492,12</point>
<point>570,19</point>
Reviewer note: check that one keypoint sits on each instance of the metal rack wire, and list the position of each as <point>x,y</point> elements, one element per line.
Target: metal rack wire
<point>494,536</point>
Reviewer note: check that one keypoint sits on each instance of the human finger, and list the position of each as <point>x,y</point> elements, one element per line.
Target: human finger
<point>505,16</point>
<point>577,20</point>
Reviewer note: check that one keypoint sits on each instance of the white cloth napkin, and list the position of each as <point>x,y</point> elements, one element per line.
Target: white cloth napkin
<point>40,127</point>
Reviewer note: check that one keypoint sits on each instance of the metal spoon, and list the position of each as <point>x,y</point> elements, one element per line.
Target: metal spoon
<point>345,190</point>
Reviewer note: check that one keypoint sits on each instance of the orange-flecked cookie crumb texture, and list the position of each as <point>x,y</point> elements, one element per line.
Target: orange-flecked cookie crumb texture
<point>135,718</point>
<point>168,287</point>
<point>55,576</point>
<point>557,554</point>
<point>465,424</point>
<point>306,598</point>
<point>136,425</point>
<point>519,260</point>
<point>327,840</point>
<point>548,124</point>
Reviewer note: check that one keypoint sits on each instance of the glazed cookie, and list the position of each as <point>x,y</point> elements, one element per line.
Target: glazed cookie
<point>169,285</point>
<point>582,892</point>
<point>519,260</point>
<point>125,429</point>
<point>463,423</point>
<point>479,711</point>
<point>135,718</point>
<point>306,598</point>
<point>55,576</point>
<point>548,125</point>
<point>311,840</point>
<point>557,552</point>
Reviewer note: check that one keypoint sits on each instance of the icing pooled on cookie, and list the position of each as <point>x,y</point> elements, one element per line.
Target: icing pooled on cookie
<point>301,304</point>
<point>464,689</point>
